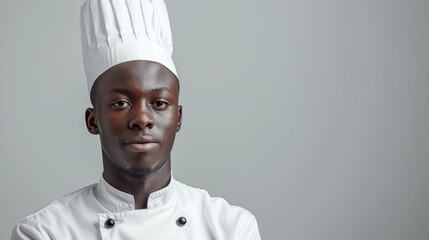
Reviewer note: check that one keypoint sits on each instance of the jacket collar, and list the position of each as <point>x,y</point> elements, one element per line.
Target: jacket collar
<point>116,200</point>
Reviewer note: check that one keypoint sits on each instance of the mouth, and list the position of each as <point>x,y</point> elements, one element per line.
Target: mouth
<point>144,143</point>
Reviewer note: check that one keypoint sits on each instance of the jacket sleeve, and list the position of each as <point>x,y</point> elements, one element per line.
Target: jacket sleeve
<point>250,230</point>
<point>25,232</point>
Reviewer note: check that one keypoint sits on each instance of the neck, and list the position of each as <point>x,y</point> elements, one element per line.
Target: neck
<point>139,184</point>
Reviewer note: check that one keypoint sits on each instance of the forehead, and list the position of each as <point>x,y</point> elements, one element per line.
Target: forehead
<point>137,75</point>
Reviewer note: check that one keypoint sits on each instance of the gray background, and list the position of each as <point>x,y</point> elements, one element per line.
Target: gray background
<point>313,115</point>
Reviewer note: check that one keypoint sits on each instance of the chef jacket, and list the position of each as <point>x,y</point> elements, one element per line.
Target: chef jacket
<point>101,211</point>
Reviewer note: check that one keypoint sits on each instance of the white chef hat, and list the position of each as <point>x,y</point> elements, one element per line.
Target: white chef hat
<point>117,31</point>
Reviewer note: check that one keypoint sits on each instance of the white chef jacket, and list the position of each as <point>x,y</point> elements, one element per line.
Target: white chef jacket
<point>83,215</point>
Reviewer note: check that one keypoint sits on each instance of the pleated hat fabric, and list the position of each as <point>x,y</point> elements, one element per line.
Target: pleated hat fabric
<point>117,31</point>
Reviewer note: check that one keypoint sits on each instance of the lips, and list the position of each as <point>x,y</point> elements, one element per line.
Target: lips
<point>141,143</point>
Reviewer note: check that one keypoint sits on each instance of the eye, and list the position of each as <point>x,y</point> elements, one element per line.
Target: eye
<point>120,104</point>
<point>160,105</point>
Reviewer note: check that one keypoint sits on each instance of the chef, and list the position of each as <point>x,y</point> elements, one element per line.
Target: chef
<point>134,91</point>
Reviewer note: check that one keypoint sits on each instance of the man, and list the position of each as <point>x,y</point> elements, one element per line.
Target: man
<point>134,91</point>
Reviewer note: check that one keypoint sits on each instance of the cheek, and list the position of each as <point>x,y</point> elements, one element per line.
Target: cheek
<point>111,125</point>
<point>167,121</point>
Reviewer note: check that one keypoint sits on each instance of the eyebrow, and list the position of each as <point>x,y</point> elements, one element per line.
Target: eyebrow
<point>120,90</point>
<point>160,89</point>
<point>126,92</point>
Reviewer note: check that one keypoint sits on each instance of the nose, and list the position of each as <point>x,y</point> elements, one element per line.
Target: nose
<point>141,118</point>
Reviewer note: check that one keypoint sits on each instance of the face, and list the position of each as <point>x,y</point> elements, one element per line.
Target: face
<point>136,114</point>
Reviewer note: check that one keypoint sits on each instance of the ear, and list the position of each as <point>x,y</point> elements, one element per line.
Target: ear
<point>179,122</point>
<point>91,121</point>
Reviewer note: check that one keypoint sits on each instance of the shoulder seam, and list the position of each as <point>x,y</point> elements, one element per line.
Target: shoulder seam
<point>55,203</point>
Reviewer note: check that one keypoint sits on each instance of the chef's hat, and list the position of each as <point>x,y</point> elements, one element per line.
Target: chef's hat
<point>117,31</point>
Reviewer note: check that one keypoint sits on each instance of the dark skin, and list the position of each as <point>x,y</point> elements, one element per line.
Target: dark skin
<point>136,115</point>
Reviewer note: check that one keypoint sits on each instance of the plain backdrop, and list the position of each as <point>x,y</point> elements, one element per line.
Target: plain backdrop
<point>313,115</point>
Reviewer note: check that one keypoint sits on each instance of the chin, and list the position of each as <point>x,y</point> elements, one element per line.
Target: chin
<point>139,171</point>
<point>141,168</point>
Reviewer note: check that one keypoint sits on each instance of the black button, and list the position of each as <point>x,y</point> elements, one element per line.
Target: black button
<point>110,223</point>
<point>181,221</point>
